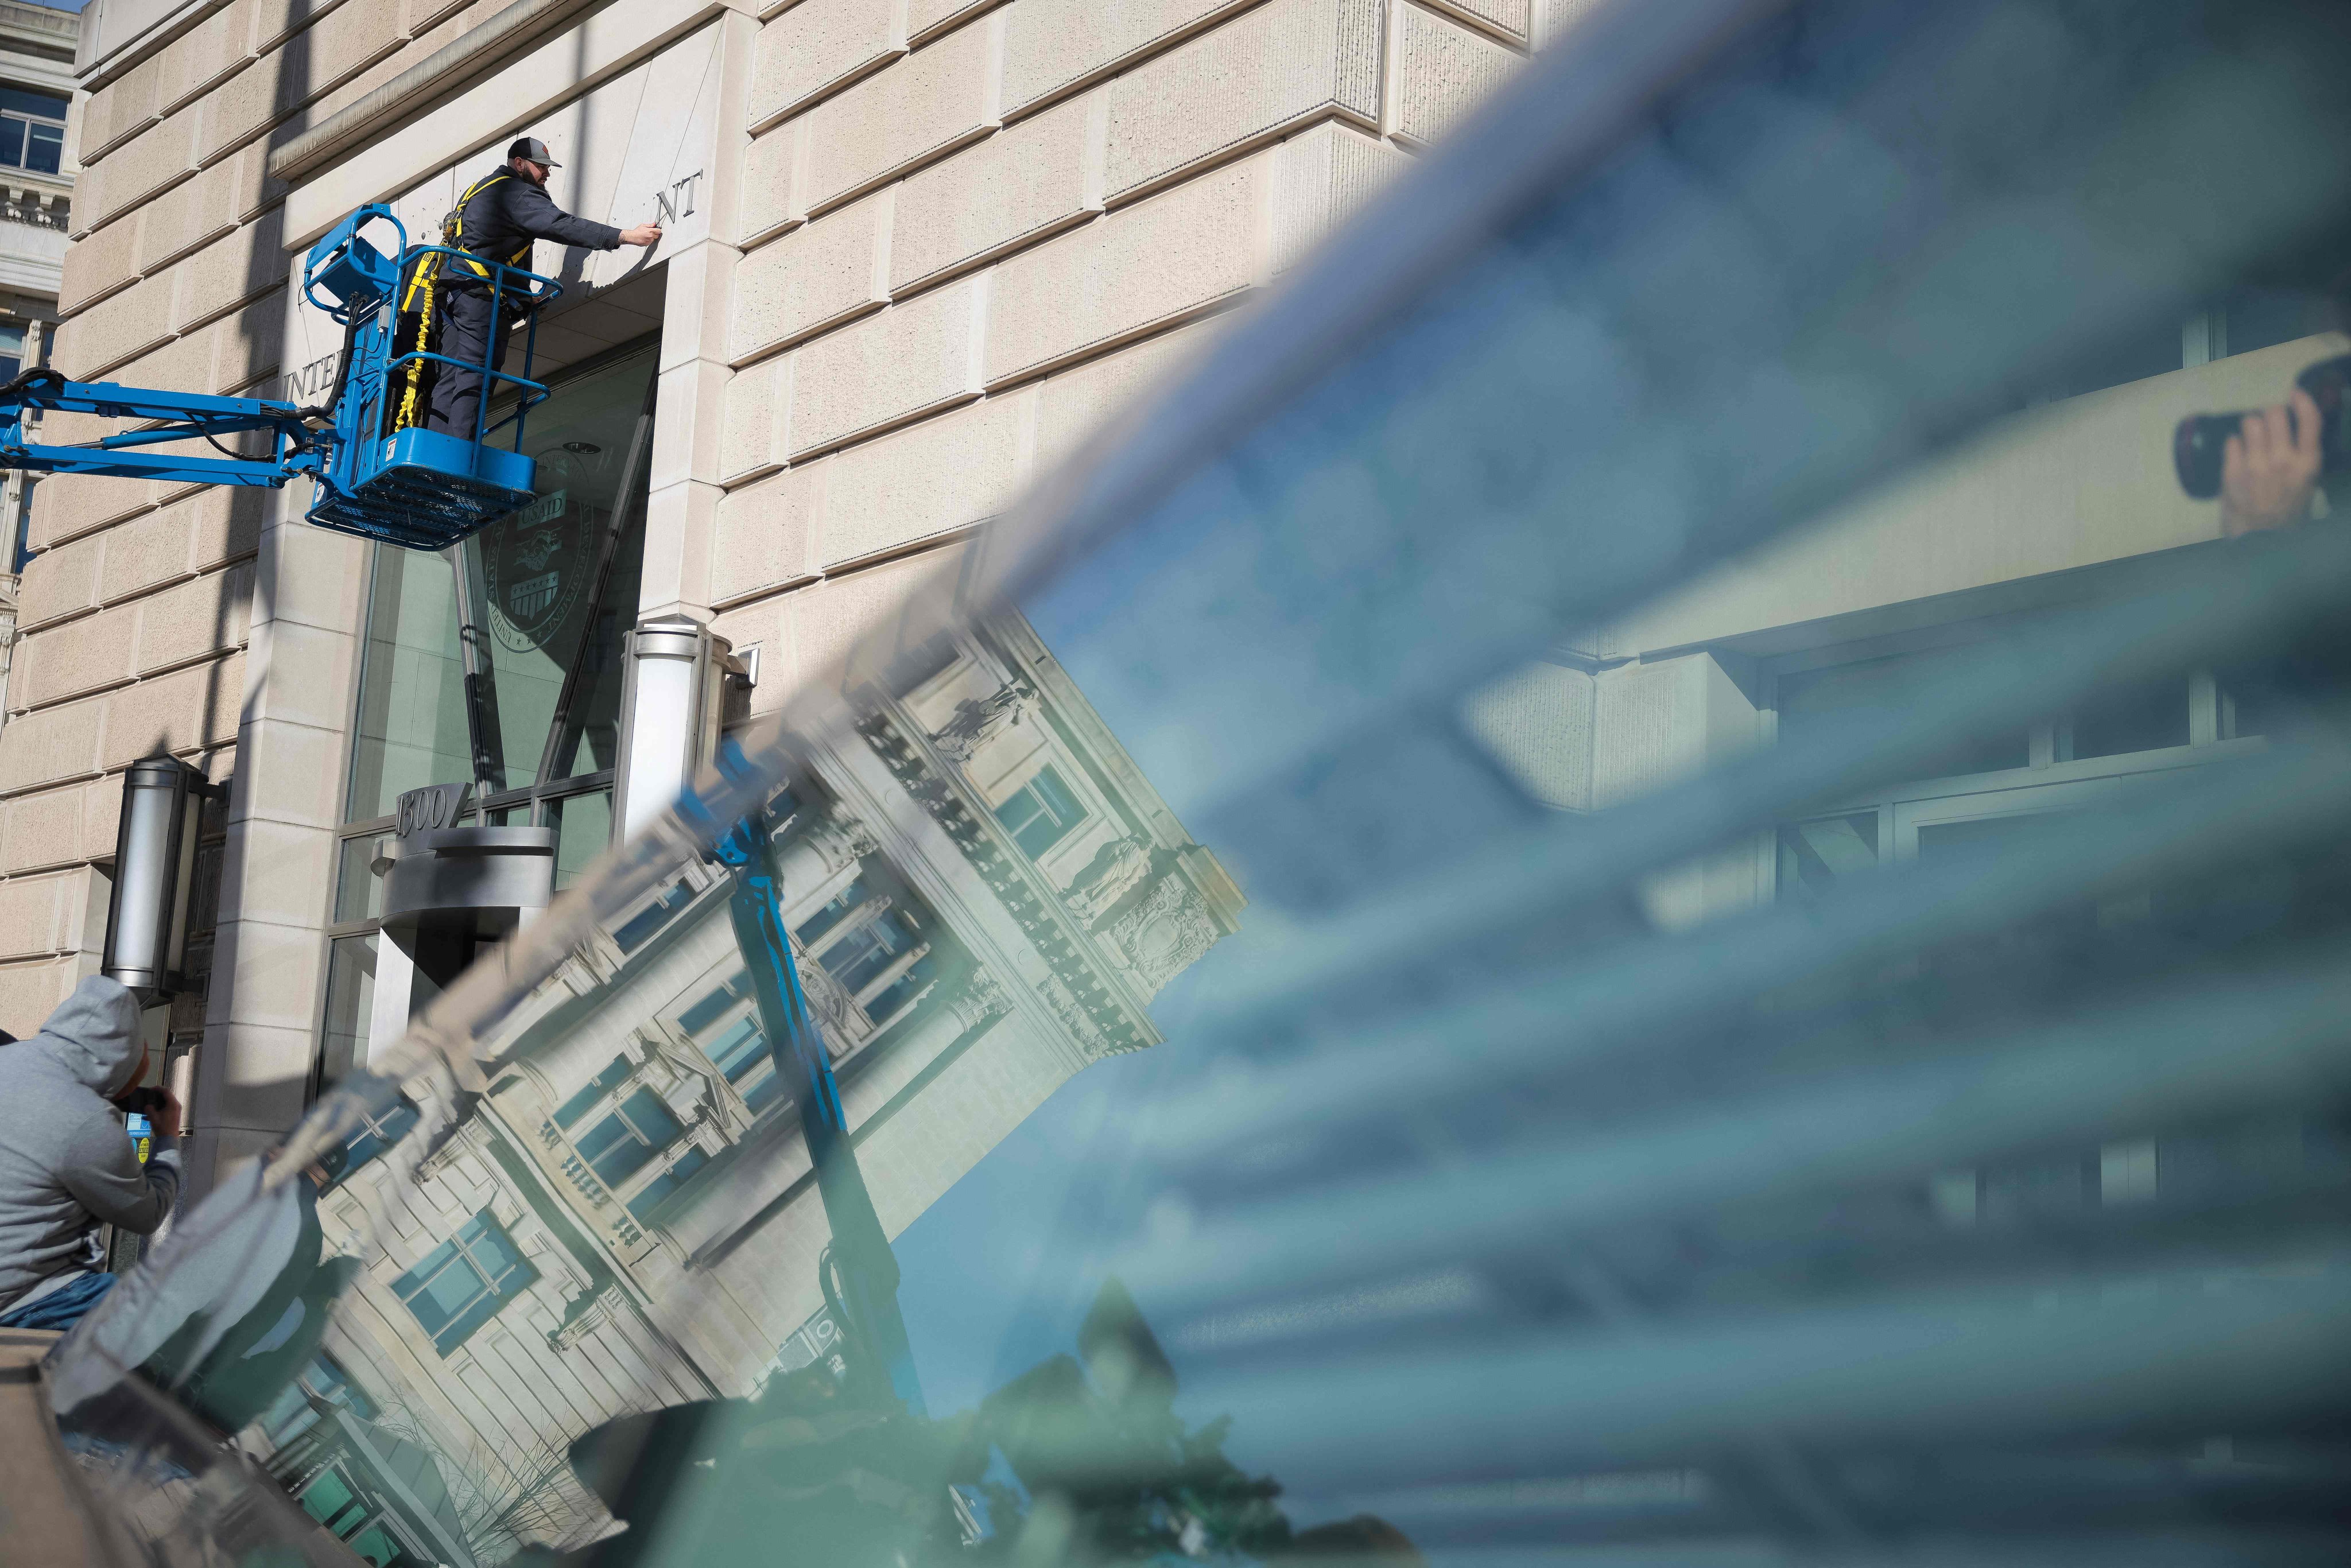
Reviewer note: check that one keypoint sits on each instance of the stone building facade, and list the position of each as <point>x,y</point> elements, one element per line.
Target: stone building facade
<point>36,170</point>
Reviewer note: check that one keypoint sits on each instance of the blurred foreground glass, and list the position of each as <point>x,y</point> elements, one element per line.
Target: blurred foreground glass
<point>1596,1134</point>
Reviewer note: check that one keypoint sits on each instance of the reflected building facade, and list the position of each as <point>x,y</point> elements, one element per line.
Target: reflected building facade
<point>984,895</point>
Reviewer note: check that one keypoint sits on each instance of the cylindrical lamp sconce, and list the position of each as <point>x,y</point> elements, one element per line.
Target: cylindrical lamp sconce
<point>156,874</point>
<point>672,700</point>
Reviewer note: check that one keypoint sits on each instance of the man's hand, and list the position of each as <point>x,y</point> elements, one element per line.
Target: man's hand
<point>2269,469</point>
<point>643,233</point>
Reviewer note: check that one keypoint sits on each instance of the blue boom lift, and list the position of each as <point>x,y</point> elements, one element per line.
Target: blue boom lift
<point>380,478</point>
<point>375,474</point>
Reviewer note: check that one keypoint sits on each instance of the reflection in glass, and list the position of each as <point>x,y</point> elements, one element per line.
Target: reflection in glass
<point>2145,716</point>
<point>350,996</point>
<point>1040,813</point>
<point>1502,1216</point>
<point>464,1281</point>
<point>583,829</point>
<point>556,584</point>
<point>1813,855</point>
<point>410,724</point>
<point>358,888</point>
<point>1811,701</point>
<point>560,577</point>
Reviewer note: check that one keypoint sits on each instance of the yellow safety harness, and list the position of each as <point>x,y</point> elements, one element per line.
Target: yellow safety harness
<point>418,299</point>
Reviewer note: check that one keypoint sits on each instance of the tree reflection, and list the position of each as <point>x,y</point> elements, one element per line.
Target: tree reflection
<point>1080,1461</point>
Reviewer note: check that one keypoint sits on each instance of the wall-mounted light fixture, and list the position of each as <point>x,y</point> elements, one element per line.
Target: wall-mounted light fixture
<point>672,702</point>
<point>156,874</point>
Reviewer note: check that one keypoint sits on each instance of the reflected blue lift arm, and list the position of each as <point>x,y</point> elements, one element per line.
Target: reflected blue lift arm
<point>861,1251</point>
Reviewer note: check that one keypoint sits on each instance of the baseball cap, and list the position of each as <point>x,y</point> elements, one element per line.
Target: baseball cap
<point>532,148</point>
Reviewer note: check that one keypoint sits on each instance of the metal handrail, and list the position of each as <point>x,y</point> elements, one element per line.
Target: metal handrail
<point>505,282</point>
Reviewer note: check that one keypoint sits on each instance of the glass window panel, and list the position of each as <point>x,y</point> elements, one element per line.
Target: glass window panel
<point>834,912</point>
<point>702,1014</point>
<point>351,998</point>
<point>540,571</point>
<point>376,1546</point>
<point>491,1249</point>
<point>44,147</point>
<point>601,1137</point>
<point>650,1118</point>
<point>643,925</point>
<point>39,105</point>
<point>11,340</point>
<point>327,1497</point>
<point>622,1155</point>
<point>2143,716</point>
<point>1812,856</point>
<point>358,890</point>
<point>669,1181</point>
<point>12,142</point>
<point>765,1092</point>
<point>412,709</point>
<point>373,1139</point>
<point>2262,316</point>
<point>870,949</point>
<point>413,1280</point>
<point>1040,812</point>
<point>2153,351</point>
<point>580,1104</point>
<point>583,829</point>
<point>739,1049</point>
<point>1816,700</point>
<point>450,1291</point>
<point>1984,836</point>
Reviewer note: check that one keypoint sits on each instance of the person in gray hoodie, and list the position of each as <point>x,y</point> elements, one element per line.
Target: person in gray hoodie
<point>67,1165</point>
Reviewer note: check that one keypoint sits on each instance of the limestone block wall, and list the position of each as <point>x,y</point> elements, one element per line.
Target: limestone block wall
<point>137,601</point>
<point>971,230</point>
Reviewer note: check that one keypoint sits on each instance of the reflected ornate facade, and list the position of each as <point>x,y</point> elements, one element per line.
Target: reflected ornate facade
<point>628,1217</point>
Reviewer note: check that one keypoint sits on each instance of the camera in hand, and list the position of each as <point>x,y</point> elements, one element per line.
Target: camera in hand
<point>2202,439</point>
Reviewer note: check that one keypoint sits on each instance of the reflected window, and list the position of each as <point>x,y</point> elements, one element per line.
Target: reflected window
<point>657,1191</point>
<point>706,1012</point>
<point>1813,702</point>
<point>857,958</point>
<point>463,1282</point>
<point>768,1091</point>
<point>833,912</point>
<point>1040,813</point>
<point>351,1003</point>
<point>598,1089</point>
<point>620,1146</point>
<point>2144,716</point>
<point>377,1134</point>
<point>738,1051</point>
<point>641,926</point>
<point>1813,855</point>
<point>12,350</point>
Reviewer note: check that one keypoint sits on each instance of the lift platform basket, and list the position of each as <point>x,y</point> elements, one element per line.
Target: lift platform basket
<point>429,490</point>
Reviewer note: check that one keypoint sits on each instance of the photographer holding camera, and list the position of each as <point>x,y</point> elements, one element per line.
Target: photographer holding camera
<point>2270,468</point>
<point>67,1164</point>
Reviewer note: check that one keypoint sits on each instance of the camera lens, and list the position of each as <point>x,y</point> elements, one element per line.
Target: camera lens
<point>2197,447</point>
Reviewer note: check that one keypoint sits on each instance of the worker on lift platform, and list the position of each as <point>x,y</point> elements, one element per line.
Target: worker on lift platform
<point>498,218</point>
